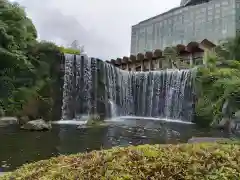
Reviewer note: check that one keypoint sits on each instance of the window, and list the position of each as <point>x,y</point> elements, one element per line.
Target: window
<point>217,11</point>
<point>217,5</point>
<point>217,16</point>
<point>225,3</point>
<point>209,18</point>
<point>203,10</point>
<point>210,7</point>
<point>210,11</point>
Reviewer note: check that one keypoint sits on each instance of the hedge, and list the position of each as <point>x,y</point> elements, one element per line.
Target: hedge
<point>69,50</point>
<point>145,162</point>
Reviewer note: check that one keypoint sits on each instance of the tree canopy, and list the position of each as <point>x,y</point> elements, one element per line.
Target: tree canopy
<point>218,82</point>
<point>26,68</point>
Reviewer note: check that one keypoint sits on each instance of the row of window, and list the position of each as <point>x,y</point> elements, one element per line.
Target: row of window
<point>152,32</point>
<point>192,12</point>
<point>168,32</point>
<point>187,19</point>
<point>151,42</point>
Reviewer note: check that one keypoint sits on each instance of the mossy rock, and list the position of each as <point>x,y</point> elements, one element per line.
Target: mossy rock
<point>176,162</point>
<point>94,120</point>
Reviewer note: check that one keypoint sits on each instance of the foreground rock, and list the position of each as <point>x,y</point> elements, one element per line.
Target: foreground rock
<point>23,120</point>
<point>185,161</point>
<point>37,125</point>
<point>5,121</point>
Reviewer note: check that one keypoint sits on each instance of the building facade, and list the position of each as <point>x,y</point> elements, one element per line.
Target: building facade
<point>193,20</point>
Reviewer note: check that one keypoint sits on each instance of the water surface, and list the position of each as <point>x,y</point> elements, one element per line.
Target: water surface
<point>19,147</point>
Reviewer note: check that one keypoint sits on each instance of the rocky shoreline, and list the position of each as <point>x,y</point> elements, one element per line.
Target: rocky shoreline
<point>34,125</point>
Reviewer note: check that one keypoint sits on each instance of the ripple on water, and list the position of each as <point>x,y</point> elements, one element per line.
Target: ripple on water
<point>23,146</point>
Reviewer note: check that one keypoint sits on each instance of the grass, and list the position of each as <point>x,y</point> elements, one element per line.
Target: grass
<point>218,161</point>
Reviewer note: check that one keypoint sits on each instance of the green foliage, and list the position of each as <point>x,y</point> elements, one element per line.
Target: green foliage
<point>16,32</point>
<point>69,50</point>
<point>229,48</point>
<point>181,162</point>
<point>173,57</point>
<point>217,81</point>
<point>28,68</point>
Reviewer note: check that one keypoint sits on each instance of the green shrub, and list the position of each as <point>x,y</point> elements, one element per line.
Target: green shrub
<point>69,50</point>
<point>217,81</point>
<point>176,162</point>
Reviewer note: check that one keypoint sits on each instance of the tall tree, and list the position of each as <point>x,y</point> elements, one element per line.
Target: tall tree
<point>229,49</point>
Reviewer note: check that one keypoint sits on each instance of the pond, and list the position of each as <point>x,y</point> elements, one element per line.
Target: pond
<point>19,147</point>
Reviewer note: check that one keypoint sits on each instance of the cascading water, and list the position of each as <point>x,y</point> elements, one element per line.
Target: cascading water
<point>92,86</point>
<point>67,87</point>
<point>113,109</point>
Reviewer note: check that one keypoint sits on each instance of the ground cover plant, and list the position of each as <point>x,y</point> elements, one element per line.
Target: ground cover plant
<point>173,162</point>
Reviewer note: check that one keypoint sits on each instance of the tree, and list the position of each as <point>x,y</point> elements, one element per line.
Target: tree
<point>17,33</point>
<point>173,58</point>
<point>230,48</point>
<point>218,82</point>
<point>26,68</point>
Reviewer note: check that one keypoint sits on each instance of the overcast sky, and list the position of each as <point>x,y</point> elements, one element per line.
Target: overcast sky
<point>103,27</point>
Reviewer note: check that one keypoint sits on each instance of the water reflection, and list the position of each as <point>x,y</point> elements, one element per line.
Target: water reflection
<point>19,147</point>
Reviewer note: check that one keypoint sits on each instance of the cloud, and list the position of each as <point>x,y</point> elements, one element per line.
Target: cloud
<point>103,27</point>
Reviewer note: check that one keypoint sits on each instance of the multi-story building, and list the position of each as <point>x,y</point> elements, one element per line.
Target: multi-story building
<point>193,20</point>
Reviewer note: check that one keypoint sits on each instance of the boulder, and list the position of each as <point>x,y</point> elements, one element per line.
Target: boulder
<point>37,125</point>
<point>89,121</point>
<point>23,120</point>
<point>5,121</point>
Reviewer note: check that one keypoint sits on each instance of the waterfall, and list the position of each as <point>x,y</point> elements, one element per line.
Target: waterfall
<point>92,86</point>
<point>68,87</point>
<point>113,109</point>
